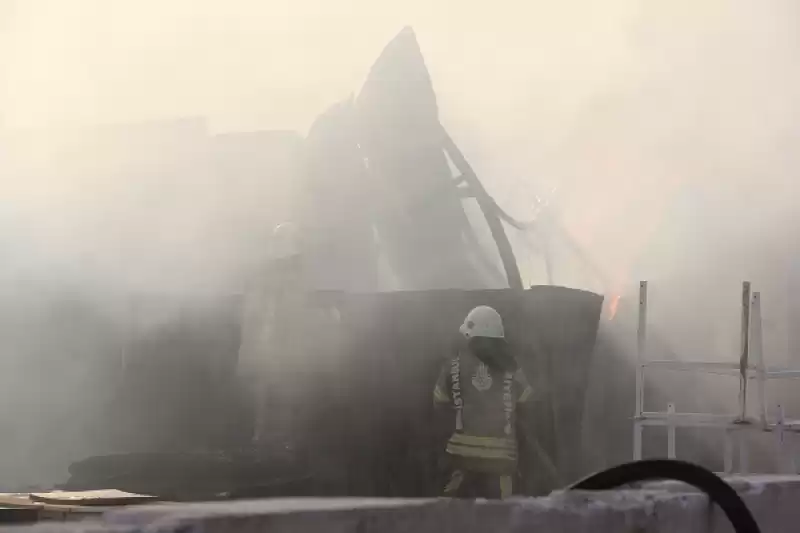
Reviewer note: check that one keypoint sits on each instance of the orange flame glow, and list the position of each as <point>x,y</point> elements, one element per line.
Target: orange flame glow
<point>613,304</point>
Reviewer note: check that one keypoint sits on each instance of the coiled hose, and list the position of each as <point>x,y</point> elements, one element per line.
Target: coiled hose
<point>717,490</point>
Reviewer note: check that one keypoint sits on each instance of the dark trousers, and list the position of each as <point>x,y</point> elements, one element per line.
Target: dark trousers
<point>467,484</point>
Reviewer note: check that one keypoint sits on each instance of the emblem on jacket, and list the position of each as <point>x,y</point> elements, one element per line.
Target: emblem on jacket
<point>482,380</point>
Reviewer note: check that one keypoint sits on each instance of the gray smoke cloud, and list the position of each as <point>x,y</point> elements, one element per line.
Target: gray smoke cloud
<point>665,130</point>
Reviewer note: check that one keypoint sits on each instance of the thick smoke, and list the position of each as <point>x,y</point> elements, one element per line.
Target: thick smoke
<point>665,130</point>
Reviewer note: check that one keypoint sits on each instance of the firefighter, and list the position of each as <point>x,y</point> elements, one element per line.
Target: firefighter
<point>269,314</point>
<point>483,384</point>
<point>279,359</point>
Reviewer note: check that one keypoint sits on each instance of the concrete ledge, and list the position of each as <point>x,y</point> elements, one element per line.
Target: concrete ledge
<point>774,500</point>
<point>567,512</point>
<point>655,508</point>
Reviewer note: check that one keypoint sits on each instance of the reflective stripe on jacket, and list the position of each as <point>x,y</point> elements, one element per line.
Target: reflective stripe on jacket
<point>482,447</point>
<point>484,400</point>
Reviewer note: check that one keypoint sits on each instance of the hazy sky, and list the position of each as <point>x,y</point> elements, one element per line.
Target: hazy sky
<point>618,102</point>
<point>273,64</point>
<point>509,76</point>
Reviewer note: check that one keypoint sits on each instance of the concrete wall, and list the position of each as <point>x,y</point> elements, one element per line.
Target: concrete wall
<point>656,508</point>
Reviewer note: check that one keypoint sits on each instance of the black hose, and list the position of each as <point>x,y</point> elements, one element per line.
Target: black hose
<point>717,490</point>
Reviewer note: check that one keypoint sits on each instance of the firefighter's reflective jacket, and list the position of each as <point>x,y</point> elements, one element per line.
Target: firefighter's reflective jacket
<point>485,402</point>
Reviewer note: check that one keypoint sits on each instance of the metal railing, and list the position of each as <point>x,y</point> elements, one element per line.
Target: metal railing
<point>750,367</point>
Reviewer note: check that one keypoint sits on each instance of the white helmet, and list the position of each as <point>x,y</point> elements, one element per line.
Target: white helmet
<point>483,321</point>
<point>285,241</point>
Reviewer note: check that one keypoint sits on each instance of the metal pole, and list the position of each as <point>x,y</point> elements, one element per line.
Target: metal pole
<point>780,437</point>
<point>670,431</point>
<point>637,440</point>
<point>757,342</point>
<point>728,451</point>
<point>641,348</point>
<point>641,355</point>
<point>744,465</point>
<point>744,351</point>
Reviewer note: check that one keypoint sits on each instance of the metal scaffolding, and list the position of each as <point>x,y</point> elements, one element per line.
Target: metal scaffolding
<point>750,367</point>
